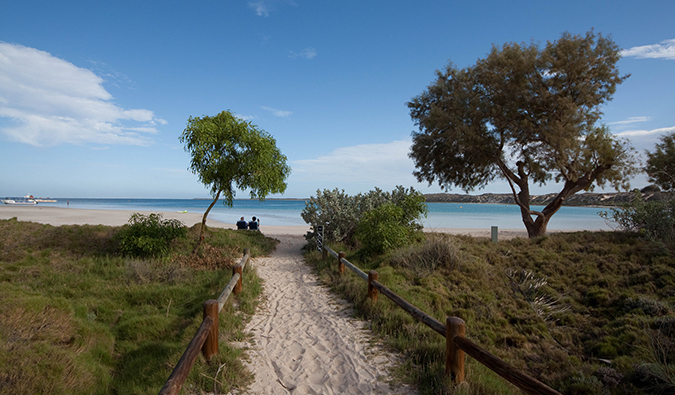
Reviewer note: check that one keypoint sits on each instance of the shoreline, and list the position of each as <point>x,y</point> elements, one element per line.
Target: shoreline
<point>57,216</point>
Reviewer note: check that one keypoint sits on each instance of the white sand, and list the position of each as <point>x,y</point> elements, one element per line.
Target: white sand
<point>304,339</point>
<point>69,216</point>
<point>58,216</point>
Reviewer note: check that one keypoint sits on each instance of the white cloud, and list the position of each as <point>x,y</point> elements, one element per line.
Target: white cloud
<point>663,50</point>
<point>385,165</point>
<point>643,133</point>
<point>261,9</point>
<point>631,120</point>
<point>307,53</point>
<point>277,113</point>
<point>52,101</point>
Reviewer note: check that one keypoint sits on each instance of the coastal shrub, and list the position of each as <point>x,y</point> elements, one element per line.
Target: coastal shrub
<point>149,235</point>
<point>340,213</point>
<point>653,220</point>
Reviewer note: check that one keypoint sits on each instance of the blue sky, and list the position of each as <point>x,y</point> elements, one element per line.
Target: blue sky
<point>93,94</point>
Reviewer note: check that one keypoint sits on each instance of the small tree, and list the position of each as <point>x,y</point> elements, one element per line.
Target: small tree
<point>526,115</point>
<point>229,153</point>
<point>661,163</point>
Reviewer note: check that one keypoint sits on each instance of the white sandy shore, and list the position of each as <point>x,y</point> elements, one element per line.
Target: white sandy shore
<point>69,216</point>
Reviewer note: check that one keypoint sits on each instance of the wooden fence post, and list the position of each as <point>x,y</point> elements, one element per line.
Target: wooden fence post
<point>341,266</point>
<point>454,356</point>
<point>210,347</point>
<point>238,287</point>
<point>372,292</point>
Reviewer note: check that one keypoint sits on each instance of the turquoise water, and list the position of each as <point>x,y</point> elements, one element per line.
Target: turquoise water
<point>287,212</point>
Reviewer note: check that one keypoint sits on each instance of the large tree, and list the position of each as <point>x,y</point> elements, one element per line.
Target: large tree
<point>229,153</point>
<point>528,115</point>
<point>661,163</point>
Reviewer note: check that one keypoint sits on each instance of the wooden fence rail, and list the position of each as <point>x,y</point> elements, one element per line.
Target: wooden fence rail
<point>454,332</point>
<point>206,338</point>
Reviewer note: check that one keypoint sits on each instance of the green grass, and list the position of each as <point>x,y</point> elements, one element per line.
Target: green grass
<point>588,312</point>
<point>79,318</point>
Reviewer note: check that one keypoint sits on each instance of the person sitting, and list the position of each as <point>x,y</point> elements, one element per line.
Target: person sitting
<point>241,224</point>
<point>253,225</point>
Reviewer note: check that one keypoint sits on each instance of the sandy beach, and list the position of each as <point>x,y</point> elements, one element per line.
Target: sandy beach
<point>57,216</point>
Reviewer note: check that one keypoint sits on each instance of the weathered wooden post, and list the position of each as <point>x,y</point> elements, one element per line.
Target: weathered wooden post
<point>238,287</point>
<point>372,291</point>
<point>495,234</point>
<point>454,356</point>
<point>210,347</point>
<point>247,252</point>
<point>341,265</point>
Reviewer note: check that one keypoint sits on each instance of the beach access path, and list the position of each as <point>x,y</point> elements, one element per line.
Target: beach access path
<point>305,340</point>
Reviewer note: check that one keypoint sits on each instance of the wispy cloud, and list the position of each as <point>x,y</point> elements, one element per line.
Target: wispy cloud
<point>631,120</point>
<point>277,113</point>
<point>265,7</point>
<point>52,101</point>
<point>663,50</point>
<point>385,165</point>
<point>644,133</point>
<point>261,8</point>
<point>307,53</point>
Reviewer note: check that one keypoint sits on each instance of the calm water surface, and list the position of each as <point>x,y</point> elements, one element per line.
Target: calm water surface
<point>287,212</point>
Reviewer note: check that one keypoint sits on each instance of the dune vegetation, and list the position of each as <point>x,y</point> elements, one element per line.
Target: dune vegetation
<point>80,317</point>
<point>585,313</point>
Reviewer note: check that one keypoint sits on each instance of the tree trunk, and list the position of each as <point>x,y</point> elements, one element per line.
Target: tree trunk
<point>203,227</point>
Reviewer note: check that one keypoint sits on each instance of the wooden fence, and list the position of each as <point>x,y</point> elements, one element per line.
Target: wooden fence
<point>454,332</point>
<point>206,338</point>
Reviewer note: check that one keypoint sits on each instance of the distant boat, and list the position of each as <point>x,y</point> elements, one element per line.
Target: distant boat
<point>27,201</point>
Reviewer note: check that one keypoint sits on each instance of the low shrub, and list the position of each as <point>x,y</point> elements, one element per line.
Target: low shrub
<point>149,235</point>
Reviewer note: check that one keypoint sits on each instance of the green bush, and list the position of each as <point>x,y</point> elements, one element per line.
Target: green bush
<point>340,213</point>
<point>149,235</point>
<point>390,226</point>
<point>654,220</point>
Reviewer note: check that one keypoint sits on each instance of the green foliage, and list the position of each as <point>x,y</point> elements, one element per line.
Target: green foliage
<point>229,153</point>
<point>390,226</point>
<point>653,220</point>
<point>149,235</point>
<point>661,163</point>
<point>340,213</point>
<point>525,114</point>
<point>79,319</point>
<point>557,308</point>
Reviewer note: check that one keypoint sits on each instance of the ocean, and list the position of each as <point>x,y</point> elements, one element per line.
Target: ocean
<point>287,212</point>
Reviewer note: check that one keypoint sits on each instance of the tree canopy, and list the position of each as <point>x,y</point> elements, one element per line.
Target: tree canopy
<point>229,153</point>
<point>661,163</point>
<point>525,114</point>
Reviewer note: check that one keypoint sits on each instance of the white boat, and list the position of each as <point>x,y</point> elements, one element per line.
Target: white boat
<point>27,200</point>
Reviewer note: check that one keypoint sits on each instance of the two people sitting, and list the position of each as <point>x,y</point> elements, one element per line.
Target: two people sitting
<point>253,225</point>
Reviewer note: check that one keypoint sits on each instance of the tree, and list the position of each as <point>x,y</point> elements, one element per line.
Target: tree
<point>229,153</point>
<point>524,114</point>
<point>661,163</point>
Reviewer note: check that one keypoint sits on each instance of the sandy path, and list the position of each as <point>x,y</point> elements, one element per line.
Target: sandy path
<point>304,339</point>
